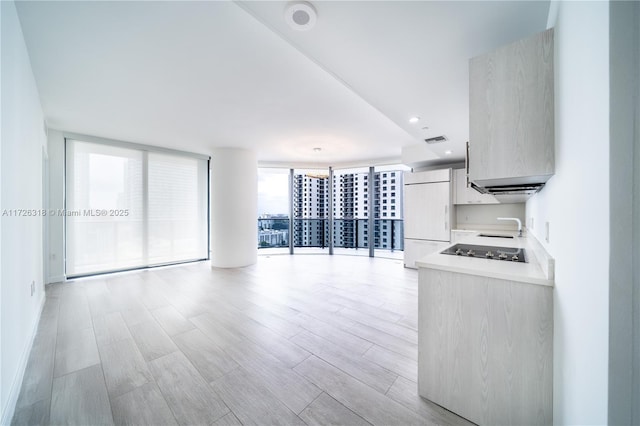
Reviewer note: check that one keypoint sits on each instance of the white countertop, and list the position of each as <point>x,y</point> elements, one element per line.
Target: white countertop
<point>537,270</point>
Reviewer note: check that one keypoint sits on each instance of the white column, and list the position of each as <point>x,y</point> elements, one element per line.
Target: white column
<point>234,208</point>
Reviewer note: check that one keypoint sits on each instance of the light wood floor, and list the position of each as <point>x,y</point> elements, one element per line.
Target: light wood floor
<point>292,340</point>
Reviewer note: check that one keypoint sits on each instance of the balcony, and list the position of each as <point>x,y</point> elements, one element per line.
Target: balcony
<point>273,236</point>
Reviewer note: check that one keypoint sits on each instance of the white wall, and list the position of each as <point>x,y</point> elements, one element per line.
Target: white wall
<point>575,202</point>
<point>23,139</point>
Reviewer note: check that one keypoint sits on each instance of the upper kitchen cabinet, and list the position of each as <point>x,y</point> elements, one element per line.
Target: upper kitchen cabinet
<point>511,125</point>
<point>462,194</point>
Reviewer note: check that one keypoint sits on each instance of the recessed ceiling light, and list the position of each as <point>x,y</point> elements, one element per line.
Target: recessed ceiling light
<point>448,152</point>
<point>301,15</point>
<point>414,119</point>
<point>317,149</point>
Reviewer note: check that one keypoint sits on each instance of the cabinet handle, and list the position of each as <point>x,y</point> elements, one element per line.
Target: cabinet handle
<point>466,165</point>
<point>446,211</point>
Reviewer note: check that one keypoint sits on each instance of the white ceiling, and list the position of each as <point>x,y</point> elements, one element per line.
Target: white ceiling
<point>198,75</point>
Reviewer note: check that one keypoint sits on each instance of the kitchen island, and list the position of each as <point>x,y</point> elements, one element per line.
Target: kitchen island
<point>485,333</point>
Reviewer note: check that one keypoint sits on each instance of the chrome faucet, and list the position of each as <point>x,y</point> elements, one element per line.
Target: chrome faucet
<point>517,220</point>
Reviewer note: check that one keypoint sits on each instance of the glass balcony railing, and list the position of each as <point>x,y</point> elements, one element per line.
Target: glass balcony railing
<point>273,232</point>
<point>311,233</point>
<point>387,234</point>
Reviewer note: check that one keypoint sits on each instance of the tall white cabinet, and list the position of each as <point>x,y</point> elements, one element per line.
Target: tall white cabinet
<point>427,214</point>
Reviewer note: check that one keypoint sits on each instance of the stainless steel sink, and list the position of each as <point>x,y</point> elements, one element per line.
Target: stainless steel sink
<point>495,236</point>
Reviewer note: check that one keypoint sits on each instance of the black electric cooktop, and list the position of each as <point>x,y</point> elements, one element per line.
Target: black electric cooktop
<point>508,254</point>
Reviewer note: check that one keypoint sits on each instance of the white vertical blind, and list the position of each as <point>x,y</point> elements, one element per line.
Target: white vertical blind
<point>128,208</point>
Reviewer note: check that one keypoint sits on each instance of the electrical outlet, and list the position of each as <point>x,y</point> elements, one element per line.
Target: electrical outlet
<point>53,256</point>
<point>531,226</point>
<point>33,287</point>
<point>546,231</point>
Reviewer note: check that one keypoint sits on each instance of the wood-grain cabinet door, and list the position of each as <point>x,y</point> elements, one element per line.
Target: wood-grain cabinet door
<point>427,211</point>
<point>511,115</point>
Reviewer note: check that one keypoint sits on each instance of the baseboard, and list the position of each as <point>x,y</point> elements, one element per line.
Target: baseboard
<point>9,409</point>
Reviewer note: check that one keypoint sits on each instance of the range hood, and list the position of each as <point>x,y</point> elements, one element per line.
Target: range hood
<point>508,189</point>
<point>509,194</point>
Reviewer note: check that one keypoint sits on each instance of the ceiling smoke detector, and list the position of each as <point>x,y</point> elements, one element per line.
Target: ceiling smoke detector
<point>300,15</point>
<point>436,139</point>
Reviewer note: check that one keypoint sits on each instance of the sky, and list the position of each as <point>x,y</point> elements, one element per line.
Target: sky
<point>273,191</point>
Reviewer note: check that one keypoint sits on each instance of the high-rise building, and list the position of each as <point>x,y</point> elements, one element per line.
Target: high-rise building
<point>389,232</point>
<point>273,230</point>
<point>351,209</point>
<point>311,209</point>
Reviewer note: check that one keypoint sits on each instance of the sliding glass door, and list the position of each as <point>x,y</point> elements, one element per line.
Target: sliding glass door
<point>311,191</point>
<point>129,207</point>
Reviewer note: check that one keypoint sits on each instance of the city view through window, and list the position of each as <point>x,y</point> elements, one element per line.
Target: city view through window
<point>273,208</point>
<point>352,205</point>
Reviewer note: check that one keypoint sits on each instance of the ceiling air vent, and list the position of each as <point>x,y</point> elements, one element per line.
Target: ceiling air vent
<point>436,139</point>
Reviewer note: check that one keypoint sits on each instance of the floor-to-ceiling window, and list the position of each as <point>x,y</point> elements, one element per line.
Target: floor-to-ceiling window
<point>347,210</point>
<point>351,211</point>
<point>310,197</point>
<point>389,215</point>
<point>273,210</point>
<point>129,206</point>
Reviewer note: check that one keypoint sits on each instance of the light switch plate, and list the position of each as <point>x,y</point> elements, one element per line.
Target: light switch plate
<point>546,231</point>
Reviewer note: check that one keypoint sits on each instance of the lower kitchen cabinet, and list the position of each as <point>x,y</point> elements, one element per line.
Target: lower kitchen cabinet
<point>486,347</point>
<point>417,249</point>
